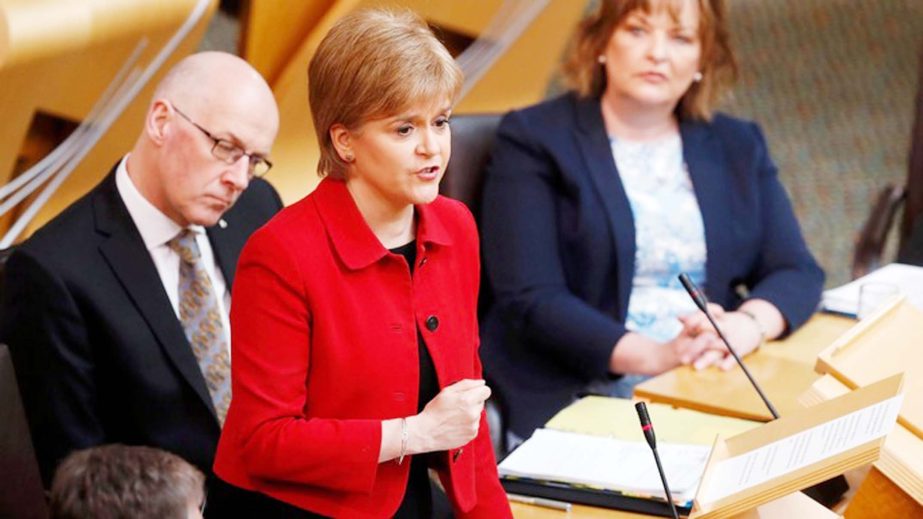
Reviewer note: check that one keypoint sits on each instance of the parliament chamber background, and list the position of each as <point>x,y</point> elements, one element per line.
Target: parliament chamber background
<point>833,83</point>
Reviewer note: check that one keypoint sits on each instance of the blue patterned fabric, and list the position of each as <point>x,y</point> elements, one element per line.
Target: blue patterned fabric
<point>669,234</point>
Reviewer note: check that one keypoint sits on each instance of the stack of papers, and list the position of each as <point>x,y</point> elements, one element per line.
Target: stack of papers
<point>607,463</point>
<point>845,299</point>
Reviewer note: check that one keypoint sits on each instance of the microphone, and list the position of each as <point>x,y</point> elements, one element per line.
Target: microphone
<point>827,493</point>
<point>702,302</point>
<point>648,429</point>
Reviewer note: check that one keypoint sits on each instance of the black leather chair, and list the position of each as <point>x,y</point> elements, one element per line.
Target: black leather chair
<point>472,139</point>
<point>873,238</point>
<point>21,493</point>
<point>4,254</point>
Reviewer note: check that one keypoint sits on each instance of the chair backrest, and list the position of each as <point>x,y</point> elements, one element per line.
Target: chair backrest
<point>21,493</point>
<point>870,243</point>
<point>911,230</point>
<point>472,140</point>
<point>4,254</point>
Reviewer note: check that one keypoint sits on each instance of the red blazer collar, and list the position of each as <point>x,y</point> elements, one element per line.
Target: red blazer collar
<point>353,239</point>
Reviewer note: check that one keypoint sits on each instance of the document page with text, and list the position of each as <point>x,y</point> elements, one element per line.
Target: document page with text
<point>800,450</point>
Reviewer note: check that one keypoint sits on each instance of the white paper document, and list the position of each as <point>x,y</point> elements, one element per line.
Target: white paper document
<point>907,278</point>
<point>607,463</point>
<point>795,452</point>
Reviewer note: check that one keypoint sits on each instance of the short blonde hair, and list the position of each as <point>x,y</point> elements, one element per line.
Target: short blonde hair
<point>374,63</point>
<point>719,67</point>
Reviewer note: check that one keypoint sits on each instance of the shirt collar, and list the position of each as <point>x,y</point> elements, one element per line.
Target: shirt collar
<point>156,228</point>
<point>353,239</point>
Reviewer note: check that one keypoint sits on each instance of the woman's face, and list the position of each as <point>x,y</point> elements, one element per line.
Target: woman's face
<point>651,58</point>
<point>399,160</point>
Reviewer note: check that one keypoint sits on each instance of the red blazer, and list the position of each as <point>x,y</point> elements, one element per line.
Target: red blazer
<point>324,326</point>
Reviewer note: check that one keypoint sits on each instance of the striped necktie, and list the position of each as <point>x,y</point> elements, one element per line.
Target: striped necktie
<point>201,319</point>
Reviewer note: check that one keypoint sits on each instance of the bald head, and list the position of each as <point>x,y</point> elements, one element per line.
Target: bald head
<point>212,118</point>
<point>213,80</point>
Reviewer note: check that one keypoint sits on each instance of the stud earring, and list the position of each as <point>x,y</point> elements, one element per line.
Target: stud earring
<point>601,59</point>
<point>697,77</point>
<point>349,157</point>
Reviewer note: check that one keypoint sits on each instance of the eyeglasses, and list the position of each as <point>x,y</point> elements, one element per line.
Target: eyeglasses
<point>230,153</point>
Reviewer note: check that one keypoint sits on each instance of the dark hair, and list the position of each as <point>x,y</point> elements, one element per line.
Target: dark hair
<point>118,481</point>
<point>719,67</point>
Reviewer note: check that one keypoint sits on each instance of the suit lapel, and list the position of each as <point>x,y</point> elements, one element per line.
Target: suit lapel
<point>594,145</point>
<point>126,255</point>
<point>705,159</point>
<point>225,251</point>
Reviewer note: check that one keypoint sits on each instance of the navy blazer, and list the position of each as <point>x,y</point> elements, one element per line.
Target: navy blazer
<point>559,245</point>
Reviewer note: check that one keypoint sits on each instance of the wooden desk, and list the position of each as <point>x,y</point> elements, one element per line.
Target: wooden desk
<point>784,369</point>
<point>523,511</point>
<point>793,505</point>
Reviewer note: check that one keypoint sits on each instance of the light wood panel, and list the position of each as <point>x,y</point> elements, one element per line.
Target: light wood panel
<point>273,30</point>
<point>878,496</point>
<point>784,369</point>
<point>66,78</point>
<point>885,343</point>
<point>518,78</point>
<point>895,483</point>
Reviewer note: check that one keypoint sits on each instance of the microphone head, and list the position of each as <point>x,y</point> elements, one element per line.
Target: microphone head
<point>641,407</point>
<point>697,296</point>
<point>646,426</point>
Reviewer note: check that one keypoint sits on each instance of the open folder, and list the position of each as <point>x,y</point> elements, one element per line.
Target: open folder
<point>798,450</point>
<point>572,458</point>
<point>742,472</point>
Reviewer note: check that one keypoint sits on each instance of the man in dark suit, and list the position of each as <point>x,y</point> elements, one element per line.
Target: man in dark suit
<point>112,318</point>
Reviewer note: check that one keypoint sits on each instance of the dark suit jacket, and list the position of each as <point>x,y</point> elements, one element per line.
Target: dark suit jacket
<point>98,351</point>
<point>559,245</point>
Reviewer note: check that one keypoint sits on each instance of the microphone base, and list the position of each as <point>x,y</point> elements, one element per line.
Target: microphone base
<point>828,493</point>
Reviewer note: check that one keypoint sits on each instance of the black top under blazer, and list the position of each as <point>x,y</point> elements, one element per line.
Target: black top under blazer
<point>559,245</point>
<point>100,356</point>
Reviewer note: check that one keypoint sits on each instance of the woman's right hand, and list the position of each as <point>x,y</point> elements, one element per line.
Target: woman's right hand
<point>449,420</point>
<point>637,354</point>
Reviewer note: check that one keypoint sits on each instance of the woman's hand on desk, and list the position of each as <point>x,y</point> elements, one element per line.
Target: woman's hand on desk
<point>637,354</point>
<point>697,323</point>
<point>741,330</point>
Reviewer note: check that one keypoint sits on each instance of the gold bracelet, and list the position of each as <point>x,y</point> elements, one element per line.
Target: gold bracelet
<point>404,436</point>
<point>759,326</point>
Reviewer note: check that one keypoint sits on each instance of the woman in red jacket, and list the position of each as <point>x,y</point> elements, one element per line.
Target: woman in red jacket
<point>355,365</point>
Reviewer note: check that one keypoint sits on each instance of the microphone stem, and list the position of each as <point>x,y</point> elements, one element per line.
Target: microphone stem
<point>666,487</point>
<point>743,366</point>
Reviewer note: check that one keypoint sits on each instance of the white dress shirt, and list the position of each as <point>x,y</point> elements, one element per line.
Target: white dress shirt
<point>156,230</point>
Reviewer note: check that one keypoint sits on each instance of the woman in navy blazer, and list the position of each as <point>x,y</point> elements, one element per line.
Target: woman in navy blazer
<point>560,223</point>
